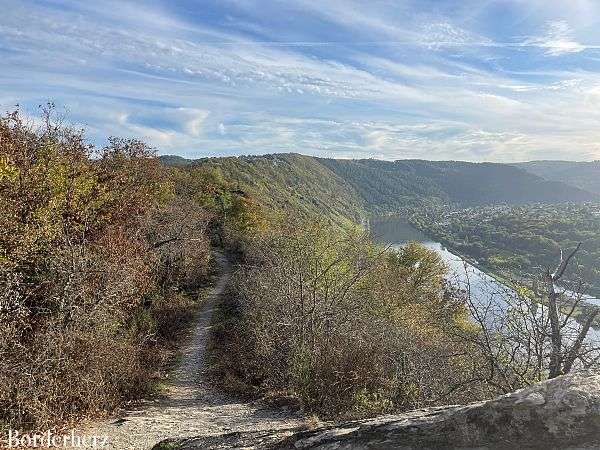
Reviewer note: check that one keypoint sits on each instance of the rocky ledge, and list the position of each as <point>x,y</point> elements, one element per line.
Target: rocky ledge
<point>563,413</point>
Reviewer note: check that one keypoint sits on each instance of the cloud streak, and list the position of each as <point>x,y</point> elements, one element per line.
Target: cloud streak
<point>388,81</point>
<point>557,40</point>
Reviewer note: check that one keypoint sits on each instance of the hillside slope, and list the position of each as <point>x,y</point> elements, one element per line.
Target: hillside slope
<point>390,185</point>
<point>291,182</point>
<point>584,175</point>
<point>348,189</point>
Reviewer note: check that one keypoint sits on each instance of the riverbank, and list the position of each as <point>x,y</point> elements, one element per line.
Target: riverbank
<point>398,230</point>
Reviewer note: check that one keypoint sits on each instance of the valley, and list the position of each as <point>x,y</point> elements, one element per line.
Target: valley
<point>512,223</point>
<point>351,288</point>
<point>520,242</point>
<point>297,224</point>
<point>355,188</point>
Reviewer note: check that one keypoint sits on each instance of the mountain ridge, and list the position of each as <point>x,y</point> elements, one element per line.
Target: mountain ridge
<point>352,188</point>
<point>582,174</point>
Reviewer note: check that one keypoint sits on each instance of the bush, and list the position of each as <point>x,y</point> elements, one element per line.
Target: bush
<point>178,231</point>
<point>349,328</point>
<point>95,257</point>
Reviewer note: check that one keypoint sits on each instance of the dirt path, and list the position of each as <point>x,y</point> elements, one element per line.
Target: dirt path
<point>189,407</point>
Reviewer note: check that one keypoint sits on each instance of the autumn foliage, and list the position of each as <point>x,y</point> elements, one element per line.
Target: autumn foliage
<point>100,256</point>
<point>348,328</point>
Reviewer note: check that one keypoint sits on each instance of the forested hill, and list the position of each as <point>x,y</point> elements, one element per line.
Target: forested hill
<point>389,185</point>
<point>584,175</point>
<point>288,182</point>
<point>349,188</point>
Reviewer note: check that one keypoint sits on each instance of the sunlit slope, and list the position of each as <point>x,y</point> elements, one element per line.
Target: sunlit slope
<point>348,189</point>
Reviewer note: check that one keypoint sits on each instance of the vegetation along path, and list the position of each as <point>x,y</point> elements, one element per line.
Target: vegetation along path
<point>190,406</point>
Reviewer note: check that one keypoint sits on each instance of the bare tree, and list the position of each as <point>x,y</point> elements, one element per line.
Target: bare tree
<point>561,361</point>
<point>526,336</point>
<point>177,233</point>
<point>349,327</point>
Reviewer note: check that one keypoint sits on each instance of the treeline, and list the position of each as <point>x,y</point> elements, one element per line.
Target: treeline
<point>289,184</point>
<point>388,186</point>
<point>343,188</point>
<point>584,175</point>
<point>102,255</point>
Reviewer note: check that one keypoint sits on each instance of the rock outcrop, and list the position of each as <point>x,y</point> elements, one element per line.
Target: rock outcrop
<point>560,413</point>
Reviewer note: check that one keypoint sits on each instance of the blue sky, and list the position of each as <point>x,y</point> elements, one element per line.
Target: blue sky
<point>506,80</point>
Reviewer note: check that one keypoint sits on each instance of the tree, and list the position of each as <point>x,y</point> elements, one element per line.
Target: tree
<point>349,327</point>
<point>526,336</point>
<point>562,361</point>
<point>96,254</point>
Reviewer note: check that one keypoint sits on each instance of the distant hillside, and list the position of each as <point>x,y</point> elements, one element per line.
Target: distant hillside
<point>176,161</point>
<point>351,188</point>
<point>389,185</point>
<point>291,182</point>
<point>584,175</point>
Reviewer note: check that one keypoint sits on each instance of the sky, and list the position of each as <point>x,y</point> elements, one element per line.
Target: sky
<point>475,80</point>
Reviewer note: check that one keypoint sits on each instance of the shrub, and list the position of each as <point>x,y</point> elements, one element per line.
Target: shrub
<point>349,328</point>
<point>90,299</point>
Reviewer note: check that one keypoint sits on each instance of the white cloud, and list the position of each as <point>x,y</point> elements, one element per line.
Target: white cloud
<point>558,39</point>
<point>431,92</point>
<point>235,63</point>
<point>192,119</point>
<point>438,35</point>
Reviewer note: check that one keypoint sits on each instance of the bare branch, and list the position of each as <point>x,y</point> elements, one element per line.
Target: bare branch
<point>575,349</point>
<point>560,270</point>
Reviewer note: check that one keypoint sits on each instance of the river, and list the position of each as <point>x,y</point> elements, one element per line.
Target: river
<point>484,288</point>
<point>398,232</point>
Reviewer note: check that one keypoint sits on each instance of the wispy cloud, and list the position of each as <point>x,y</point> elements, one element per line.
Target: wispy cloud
<point>391,80</point>
<point>438,35</point>
<point>558,39</point>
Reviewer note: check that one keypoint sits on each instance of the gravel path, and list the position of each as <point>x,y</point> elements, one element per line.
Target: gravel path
<point>189,406</point>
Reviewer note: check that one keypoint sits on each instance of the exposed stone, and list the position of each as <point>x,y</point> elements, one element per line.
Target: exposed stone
<point>560,413</point>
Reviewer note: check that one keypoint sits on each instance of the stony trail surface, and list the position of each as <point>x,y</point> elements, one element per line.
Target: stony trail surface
<point>189,405</point>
